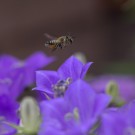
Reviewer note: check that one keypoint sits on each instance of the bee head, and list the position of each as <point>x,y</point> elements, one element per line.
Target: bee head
<point>70,38</point>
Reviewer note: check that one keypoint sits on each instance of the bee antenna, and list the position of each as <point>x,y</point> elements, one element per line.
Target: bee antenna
<point>69,34</point>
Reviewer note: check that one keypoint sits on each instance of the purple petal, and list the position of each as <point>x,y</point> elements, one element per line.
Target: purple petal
<point>17,85</point>
<point>82,96</point>
<point>50,108</point>
<point>129,111</point>
<point>72,67</point>
<point>12,83</point>
<point>112,123</point>
<point>8,109</point>
<point>7,60</point>
<point>101,103</point>
<point>38,60</point>
<point>45,80</point>
<point>6,63</point>
<point>85,69</point>
<point>50,131</point>
<point>52,115</point>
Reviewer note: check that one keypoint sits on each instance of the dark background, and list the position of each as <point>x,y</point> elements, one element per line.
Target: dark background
<point>104,30</point>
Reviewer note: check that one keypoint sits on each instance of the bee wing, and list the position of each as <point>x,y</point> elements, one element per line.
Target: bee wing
<point>49,36</point>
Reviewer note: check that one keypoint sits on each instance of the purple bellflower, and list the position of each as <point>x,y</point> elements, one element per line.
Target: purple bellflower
<point>8,114</point>
<point>112,122</point>
<point>15,74</point>
<point>28,67</point>
<point>36,61</point>
<point>6,64</point>
<point>9,91</point>
<point>74,114</point>
<point>126,85</point>
<point>12,84</point>
<point>55,83</point>
<point>118,121</point>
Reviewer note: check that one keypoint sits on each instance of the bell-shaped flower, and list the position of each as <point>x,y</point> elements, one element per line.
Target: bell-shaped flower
<point>15,74</point>
<point>118,121</point>
<point>55,83</point>
<point>76,113</point>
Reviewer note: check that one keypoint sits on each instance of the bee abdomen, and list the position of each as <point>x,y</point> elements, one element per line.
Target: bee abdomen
<point>52,42</point>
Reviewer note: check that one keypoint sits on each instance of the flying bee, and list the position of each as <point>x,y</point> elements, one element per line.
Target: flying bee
<point>60,42</point>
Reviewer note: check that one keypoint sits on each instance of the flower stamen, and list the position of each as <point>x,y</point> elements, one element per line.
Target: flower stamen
<point>73,115</point>
<point>60,87</point>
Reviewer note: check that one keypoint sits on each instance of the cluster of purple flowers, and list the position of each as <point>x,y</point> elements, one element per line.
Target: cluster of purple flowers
<point>69,104</point>
<point>15,76</point>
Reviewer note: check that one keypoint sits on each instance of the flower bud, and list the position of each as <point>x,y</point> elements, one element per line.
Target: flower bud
<point>112,90</point>
<point>80,56</point>
<point>30,115</point>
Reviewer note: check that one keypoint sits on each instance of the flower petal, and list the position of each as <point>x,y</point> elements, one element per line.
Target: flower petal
<point>6,63</point>
<point>45,80</point>
<point>80,95</point>
<point>52,114</point>
<point>38,60</point>
<point>112,123</point>
<point>8,109</point>
<point>72,67</point>
<point>101,102</point>
<point>85,69</point>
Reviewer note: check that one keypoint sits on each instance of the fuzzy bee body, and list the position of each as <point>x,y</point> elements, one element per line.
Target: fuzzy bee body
<point>60,42</point>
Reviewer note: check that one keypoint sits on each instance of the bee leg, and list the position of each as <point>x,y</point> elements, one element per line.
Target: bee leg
<point>54,48</point>
<point>60,46</point>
